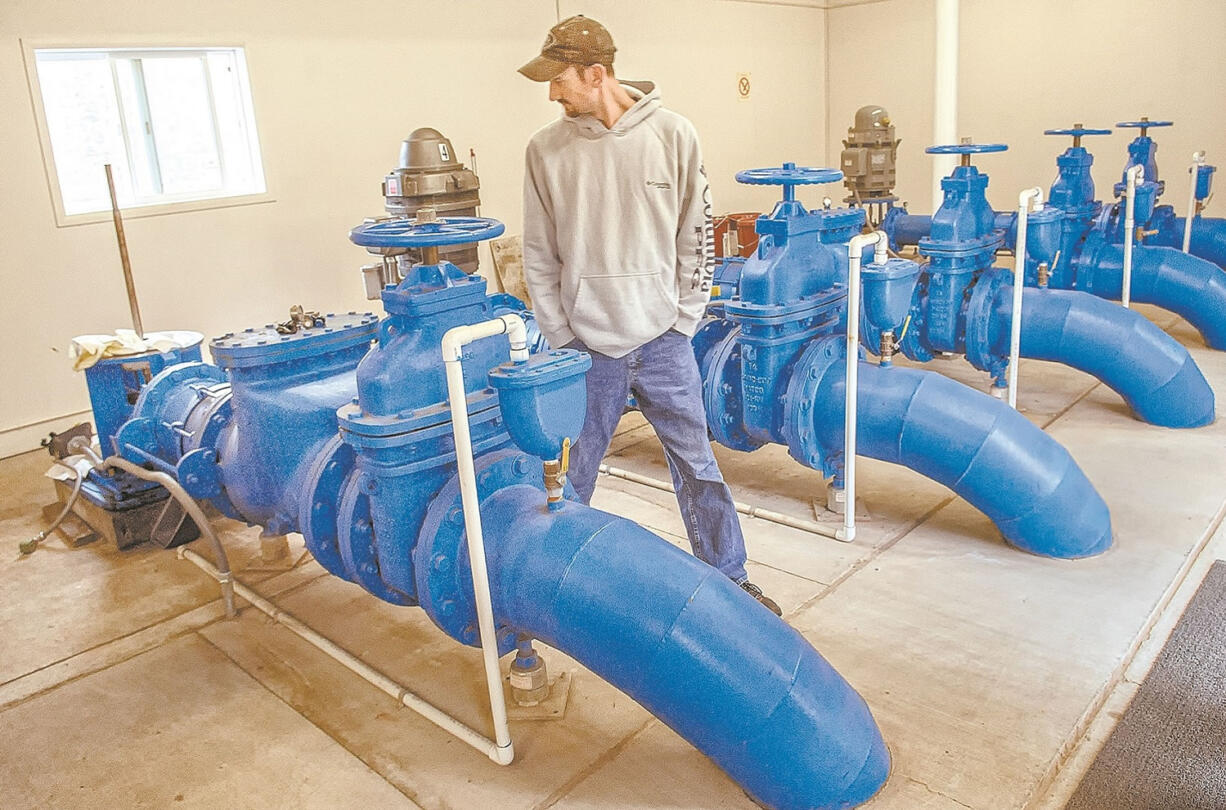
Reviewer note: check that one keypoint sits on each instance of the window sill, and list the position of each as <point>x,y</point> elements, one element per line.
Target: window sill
<point>162,209</point>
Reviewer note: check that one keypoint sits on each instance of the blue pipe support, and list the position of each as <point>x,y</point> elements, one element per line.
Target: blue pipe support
<point>976,445</point>
<point>114,383</point>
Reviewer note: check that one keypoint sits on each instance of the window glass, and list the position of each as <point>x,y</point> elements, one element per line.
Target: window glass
<point>176,125</point>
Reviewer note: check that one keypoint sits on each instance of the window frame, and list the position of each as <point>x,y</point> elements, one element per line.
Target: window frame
<point>161,47</point>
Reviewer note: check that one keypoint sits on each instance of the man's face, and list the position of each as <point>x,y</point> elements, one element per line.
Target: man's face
<point>575,90</point>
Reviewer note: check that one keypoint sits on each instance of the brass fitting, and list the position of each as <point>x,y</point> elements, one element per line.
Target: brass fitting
<point>555,476</point>
<point>1043,274</point>
<point>888,347</point>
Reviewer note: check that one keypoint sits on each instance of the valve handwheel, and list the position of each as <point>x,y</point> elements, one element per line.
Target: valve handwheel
<point>1078,132</point>
<point>966,150</point>
<point>1144,124</point>
<point>414,233</point>
<point>789,176</point>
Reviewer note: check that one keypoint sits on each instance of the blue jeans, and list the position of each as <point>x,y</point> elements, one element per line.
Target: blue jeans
<point>663,375</point>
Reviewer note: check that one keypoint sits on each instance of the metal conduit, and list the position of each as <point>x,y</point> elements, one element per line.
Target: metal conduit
<point>223,576</point>
<point>351,662</point>
<point>812,527</point>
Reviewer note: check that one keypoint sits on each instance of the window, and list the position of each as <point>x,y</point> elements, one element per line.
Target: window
<point>176,125</point>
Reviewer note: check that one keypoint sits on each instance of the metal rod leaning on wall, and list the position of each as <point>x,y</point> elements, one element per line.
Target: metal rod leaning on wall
<point>809,526</point>
<point>123,254</point>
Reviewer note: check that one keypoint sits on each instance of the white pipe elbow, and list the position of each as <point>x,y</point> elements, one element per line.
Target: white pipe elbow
<point>1027,196</point>
<point>511,325</point>
<point>855,248</point>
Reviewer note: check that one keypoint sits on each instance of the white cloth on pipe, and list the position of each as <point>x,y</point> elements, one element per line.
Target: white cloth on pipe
<point>86,350</point>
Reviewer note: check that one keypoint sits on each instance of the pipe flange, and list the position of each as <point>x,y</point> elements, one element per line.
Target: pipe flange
<point>356,540</point>
<point>979,314</point>
<point>441,562</point>
<point>318,515</point>
<point>171,379</point>
<point>799,428</point>
<point>135,436</point>
<point>711,330</point>
<point>721,394</point>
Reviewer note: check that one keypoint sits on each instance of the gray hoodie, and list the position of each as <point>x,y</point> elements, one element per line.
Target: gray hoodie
<point>618,244</point>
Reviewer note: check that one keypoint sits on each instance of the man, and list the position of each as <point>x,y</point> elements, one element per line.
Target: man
<point>618,258</point>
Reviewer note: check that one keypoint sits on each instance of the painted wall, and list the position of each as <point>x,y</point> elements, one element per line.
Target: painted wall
<point>336,86</point>
<point>1041,64</point>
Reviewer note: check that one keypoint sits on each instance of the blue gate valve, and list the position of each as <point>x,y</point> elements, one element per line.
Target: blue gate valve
<point>962,301</point>
<point>1073,191</point>
<point>1142,151</point>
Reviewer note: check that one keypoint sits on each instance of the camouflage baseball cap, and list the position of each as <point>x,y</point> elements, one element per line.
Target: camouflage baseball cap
<point>576,40</point>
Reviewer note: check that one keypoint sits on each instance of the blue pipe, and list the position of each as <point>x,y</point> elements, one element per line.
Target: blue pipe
<point>1186,285</point>
<point>689,645</point>
<point>906,229</point>
<point>1147,367</point>
<point>1208,238</point>
<point>976,445</point>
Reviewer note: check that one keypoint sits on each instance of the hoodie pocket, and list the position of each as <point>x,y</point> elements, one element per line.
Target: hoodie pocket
<point>629,304</point>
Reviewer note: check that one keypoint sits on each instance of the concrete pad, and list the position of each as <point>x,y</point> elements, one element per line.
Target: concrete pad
<point>124,647</point>
<point>426,763</point>
<point>657,768</point>
<point>895,498</point>
<point>981,663</point>
<point>178,726</point>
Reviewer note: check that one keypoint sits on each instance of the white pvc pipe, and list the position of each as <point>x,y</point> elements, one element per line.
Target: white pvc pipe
<point>355,664</point>
<point>945,93</point>
<point>1024,199</point>
<point>1131,177</point>
<point>453,349</point>
<point>810,526</point>
<point>855,250</point>
<point>1198,160</point>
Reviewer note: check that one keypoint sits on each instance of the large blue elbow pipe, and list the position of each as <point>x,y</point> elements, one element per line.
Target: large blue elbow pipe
<point>1125,351</point>
<point>976,445</point>
<point>1208,238</point>
<point>1186,285</point>
<point>689,645</point>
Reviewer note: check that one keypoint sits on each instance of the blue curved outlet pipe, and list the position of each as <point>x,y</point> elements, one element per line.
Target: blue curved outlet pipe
<point>976,445</point>
<point>1208,238</point>
<point>690,646</point>
<point>1186,285</point>
<point>1147,367</point>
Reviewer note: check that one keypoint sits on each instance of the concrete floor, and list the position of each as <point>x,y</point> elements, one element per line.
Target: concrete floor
<point>994,675</point>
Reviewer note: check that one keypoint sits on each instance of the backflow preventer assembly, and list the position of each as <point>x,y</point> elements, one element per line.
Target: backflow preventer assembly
<point>964,304</point>
<point>422,456</point>
<point>772,354</point>
<point>1124,251</point>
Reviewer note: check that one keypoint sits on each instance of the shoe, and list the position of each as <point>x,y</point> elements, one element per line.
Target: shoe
<point>756,592</point>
